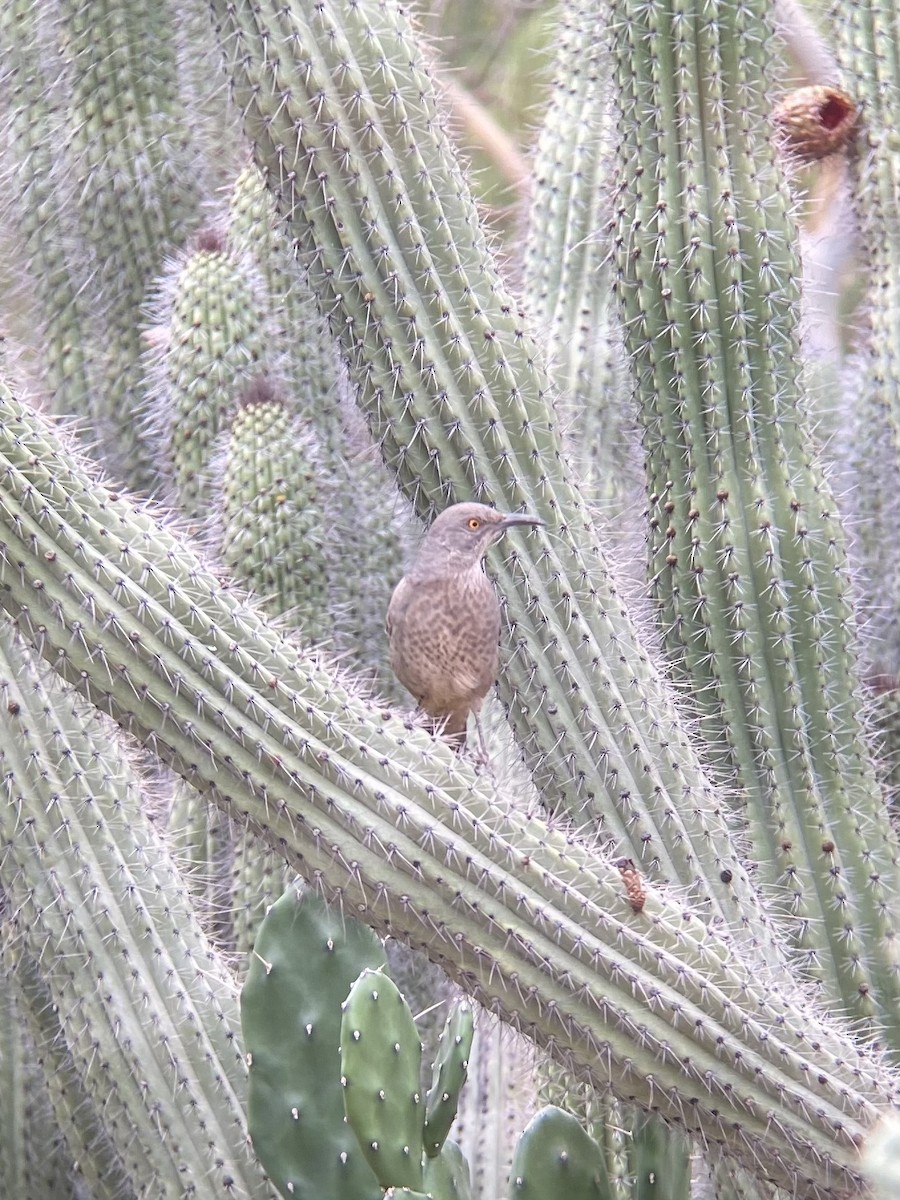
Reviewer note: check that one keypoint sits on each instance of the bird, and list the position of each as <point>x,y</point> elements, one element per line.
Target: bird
<point>443,619</point>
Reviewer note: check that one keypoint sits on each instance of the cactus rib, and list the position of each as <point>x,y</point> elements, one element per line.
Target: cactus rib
<point>331,93</point>
<point>747,553</point>
<point>81,866</point>
<point>528,920</point>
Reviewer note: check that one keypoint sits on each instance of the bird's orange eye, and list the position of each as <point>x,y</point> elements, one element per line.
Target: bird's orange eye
<point>473,523</point>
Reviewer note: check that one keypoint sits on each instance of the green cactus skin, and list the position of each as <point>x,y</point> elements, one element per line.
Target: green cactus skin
<point>640,1151</point>
<point>455,397</point>
<point>730,1182</point>
<point>616,1142</point>
<point>864,38</point>
<point>14,1048</point>
<point>556,1157</point>
<point>446,1175</point>
<point>145,1006</point>
<point>273,518</point>
<point>661,1162</point>
<point>885,720</point>
<point>306,349</point>
<point>354,485</point>
<point>40,234</point>
<point>259,878</point>
<point>306,957</point>
<point>75,1152</point>
<point>496,1104</point>
<point>215,340</point>
<point>541,932</point>
<point>748,561</point>
<point>381,1060</point>
<point>213,343</point>
<point>450,1068</point>
<point>273,524</point>
<point>137,171</point>
<point>200,839</point>
<point>567,279</point>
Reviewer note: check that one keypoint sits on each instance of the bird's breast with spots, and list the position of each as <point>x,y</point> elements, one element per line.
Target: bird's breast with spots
<point>444,640</point>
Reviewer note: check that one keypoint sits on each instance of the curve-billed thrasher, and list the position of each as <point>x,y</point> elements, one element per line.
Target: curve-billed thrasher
<point>443,621</point>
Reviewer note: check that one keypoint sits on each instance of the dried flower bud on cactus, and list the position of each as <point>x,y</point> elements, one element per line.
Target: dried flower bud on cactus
<point>817,121</point>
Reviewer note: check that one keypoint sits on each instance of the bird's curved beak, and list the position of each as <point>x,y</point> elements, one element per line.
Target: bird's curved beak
<point>511,519</point>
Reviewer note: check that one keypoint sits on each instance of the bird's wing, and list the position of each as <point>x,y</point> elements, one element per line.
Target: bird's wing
<point>398,602</point>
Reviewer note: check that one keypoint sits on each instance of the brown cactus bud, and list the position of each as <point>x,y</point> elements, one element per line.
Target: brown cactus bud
<point>634,885</point>
<point>815,122</point>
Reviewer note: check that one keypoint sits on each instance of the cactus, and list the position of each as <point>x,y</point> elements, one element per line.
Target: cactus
<point>381,1059</point>
<point>305,958</point>
<point>556,1157</point>
<point>72,829</point>
<point>409,796</point>
<point>74,1128</point>
<point>496,1104</point>
<point>212,341</point>
<point>446,1175</point>
<point>742,982</point>
<point>449,1074</point>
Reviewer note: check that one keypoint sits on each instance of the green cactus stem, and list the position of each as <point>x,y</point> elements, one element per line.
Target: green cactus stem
<point>137,169</point>
<point>456,399</point>
<point>14,1048</point>
<point>213,342</point>
<point>305,348</point>
<point>567,278</point>
<point>748,562</point>
<point>68,1148</point>
<point>447,1175</point>
<point>530,921</point>
<point>381,1060</point>
<point>556,1157</point>
<point>498,1101</point>
<point>273,519</point>
<point>82,869</point>
<point>305,960</point>
<point>451,1065</point>
<point>864,38</point>
<point>40,237</point>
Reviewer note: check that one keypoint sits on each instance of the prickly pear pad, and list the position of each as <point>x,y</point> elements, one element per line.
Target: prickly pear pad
<point>555,1156</point>
<point>305,959</point>
<point>450,1068</point>
<point>381,1059</point>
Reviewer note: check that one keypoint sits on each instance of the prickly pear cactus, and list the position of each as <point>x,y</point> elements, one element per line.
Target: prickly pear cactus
<point>556,1157</point>
<point>381,1060</point>
<point>305,959</point>
<point>447,1175</point>
<point>451,1066</point>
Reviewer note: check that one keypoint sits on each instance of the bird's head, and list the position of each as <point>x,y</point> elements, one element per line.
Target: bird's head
<point>461,535</point>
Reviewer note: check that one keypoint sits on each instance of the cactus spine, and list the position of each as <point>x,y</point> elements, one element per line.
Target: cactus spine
<point>747,557</point>
<point>228,714</point>
<point>463,411</point>
<point>72,830</point>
